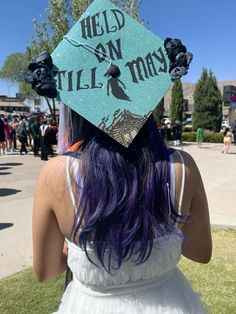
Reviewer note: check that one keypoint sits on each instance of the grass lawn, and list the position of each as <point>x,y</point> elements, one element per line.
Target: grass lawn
<point>216,282</point>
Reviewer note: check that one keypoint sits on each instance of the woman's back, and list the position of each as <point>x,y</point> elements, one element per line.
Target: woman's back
<point>125,215</point>
<point>163,258</point>
<point>153,283</point>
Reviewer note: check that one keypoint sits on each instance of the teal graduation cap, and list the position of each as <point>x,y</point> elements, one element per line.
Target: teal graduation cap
<point>111,70</point>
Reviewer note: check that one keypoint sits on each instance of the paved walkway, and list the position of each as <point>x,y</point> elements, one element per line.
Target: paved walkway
<point>18,176</point>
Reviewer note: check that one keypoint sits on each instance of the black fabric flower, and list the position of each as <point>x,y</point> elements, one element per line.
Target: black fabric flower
<point>179,57</point>
<point>40,77</point>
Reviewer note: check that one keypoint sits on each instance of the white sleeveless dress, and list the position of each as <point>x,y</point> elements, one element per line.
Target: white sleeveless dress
<point>155,287</point>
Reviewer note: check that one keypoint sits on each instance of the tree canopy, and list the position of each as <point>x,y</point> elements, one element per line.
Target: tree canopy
<point>177,102</point>
<point>14,69</point>
<point>159,111</point>
<point>207,103</point>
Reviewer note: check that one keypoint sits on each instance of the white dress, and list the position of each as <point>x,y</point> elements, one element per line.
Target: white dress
<point>156,286</point>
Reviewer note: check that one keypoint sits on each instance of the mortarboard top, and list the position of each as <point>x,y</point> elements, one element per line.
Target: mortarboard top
<point>117,105</point>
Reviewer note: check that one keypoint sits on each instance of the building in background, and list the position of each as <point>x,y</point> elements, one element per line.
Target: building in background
<point>188,107</point>
<point>13,105</point>
<point>229,104</point>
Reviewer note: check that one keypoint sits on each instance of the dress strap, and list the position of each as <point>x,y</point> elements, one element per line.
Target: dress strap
<point>182,183</point>
<point>73,176</point>
<point>172,181</point>
<point>68,177</point>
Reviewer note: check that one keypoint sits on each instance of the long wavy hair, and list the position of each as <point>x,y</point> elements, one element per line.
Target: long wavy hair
<point>124,198</point>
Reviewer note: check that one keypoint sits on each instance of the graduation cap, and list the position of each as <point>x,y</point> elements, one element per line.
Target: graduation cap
<point>111,70</point>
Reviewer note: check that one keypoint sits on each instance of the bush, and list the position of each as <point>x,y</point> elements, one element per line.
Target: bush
<point>189,136</point>
<point>187,129</point>
<point>209,137</point>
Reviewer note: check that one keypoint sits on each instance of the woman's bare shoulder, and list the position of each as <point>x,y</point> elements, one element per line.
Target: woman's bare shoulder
<point>52,182</point>
<point>193,179</point>
<point>52,175</point>
<point>53,167</point>
<point>189,162</point>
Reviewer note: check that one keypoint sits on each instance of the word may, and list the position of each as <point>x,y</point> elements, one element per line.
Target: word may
<point>98,25</point>
<point>142,68</point>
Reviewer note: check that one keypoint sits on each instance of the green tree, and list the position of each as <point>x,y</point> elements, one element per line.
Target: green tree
<point>13,71</point>
<point>13,67</point>
<point>159,111</point>
<point>177,102</point>
<point>207,103</point>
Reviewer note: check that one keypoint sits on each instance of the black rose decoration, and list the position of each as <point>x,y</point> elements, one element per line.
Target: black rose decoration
<point>179,57</point>
<point>40,77</point>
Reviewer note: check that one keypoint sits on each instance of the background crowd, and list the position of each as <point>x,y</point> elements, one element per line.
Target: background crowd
<point>38,134</point>
<point>28,133</point>
<point>171,132</point>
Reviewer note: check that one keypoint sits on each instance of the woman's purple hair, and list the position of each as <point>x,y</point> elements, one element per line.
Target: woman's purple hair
<point>124,199</point>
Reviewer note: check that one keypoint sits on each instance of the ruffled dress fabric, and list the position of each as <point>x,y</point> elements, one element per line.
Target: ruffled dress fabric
<point>155,286</point>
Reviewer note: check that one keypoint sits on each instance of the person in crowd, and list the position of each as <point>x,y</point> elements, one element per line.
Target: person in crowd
<point>9,118</point>
<point>14,126</point>
<point>163,130</point>
<point>44,142</point>
<point>7,129</point>
<point>177,133</point>
<point>227,140</point>
<point>35,132</point>
<point>27,125</point>
<point>52,137</point>
<point>21,119</point>
<point>2,138</point>
<point>168,134</point>
<point>31,120</point>
<point>22,136</point>
<point>199,136</point>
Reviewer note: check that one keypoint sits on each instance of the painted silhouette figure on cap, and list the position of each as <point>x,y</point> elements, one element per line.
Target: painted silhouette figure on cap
<point>117,88</point>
